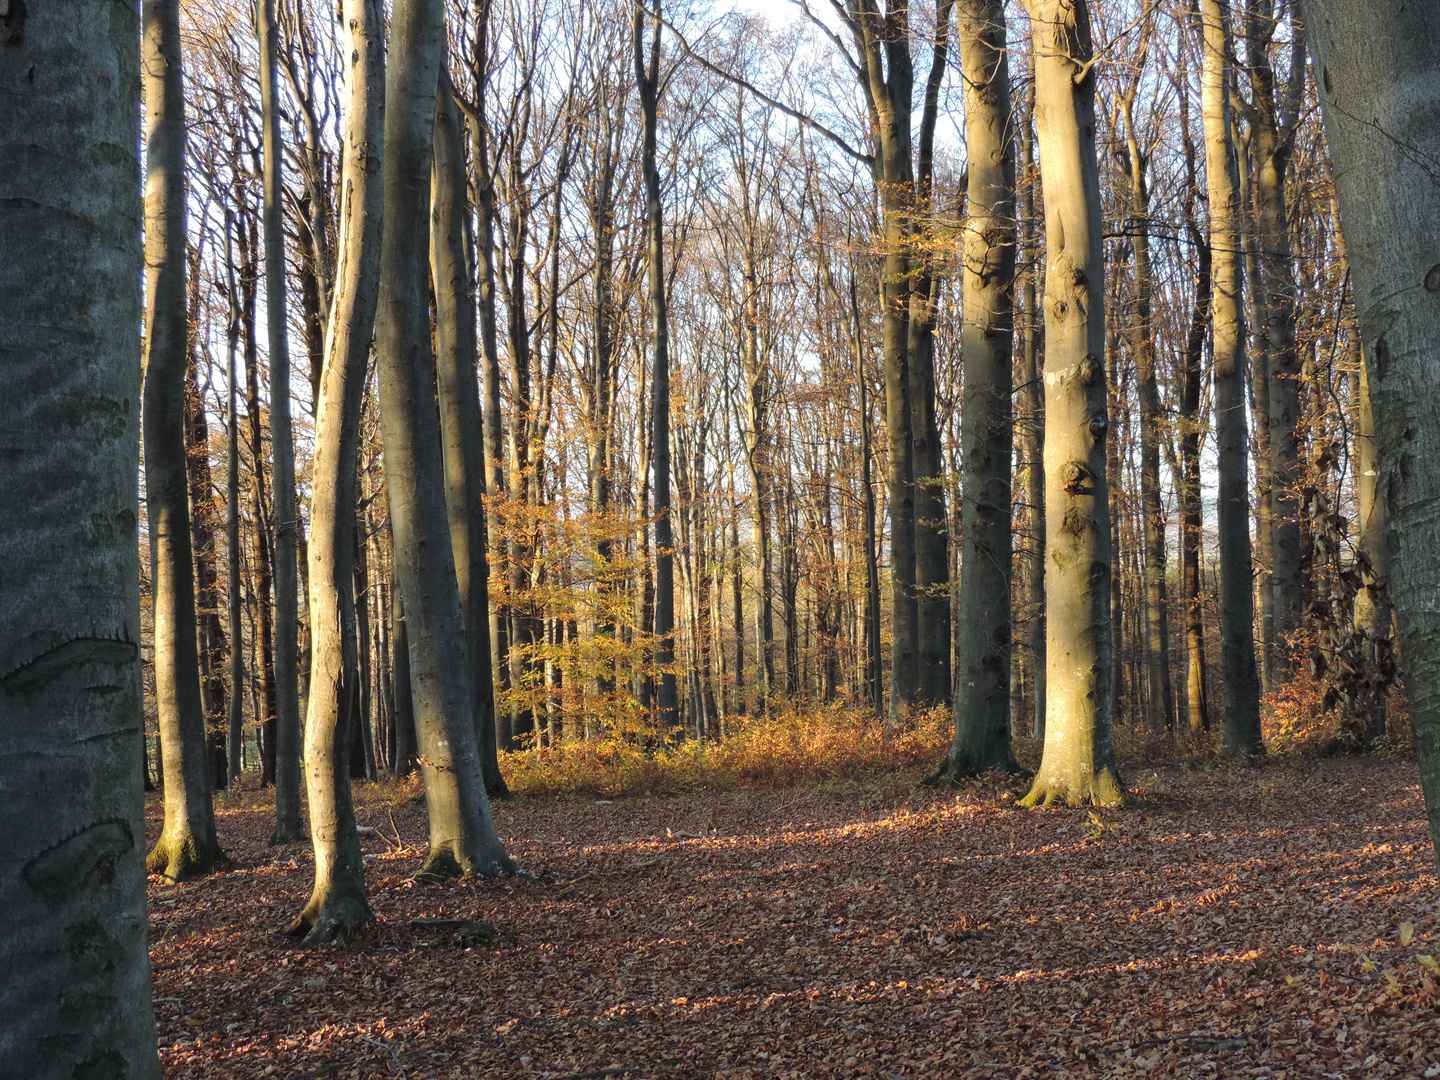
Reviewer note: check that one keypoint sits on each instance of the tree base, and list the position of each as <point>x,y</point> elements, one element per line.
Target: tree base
<point>451,861</point>
<point>955,769</point>
<point>332,920</point>
<point>1100,788</point>
<point>184,859</point>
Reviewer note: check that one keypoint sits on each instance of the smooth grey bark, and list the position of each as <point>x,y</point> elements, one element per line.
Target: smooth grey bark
<point>1240,678</point>
<point>1373,617</point>
<point>463,839</point>
<point>75,981</point>
<point>1078,763</point>
<point>647,81</point>
<point>235,757</point>
<point>289,828</point>
<point>1033,430</point>
<point>982,699</point>
<point>874,678</point>
<point>461,424</point>
<point>187,846</point>
<point>337,904</point>
<point>1377,63</point>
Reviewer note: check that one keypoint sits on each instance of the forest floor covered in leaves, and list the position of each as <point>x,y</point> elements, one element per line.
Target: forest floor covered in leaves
<point>1279,920</point>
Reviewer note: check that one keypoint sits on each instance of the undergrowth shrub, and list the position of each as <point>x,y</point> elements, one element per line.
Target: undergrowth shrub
<point>788,746</point>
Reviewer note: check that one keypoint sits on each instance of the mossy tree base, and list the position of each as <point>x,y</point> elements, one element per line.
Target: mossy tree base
<point>285,834</point>
<point>183,858</point>
<point>955,768</point>
<point>1101,787</point>
<point>451,860</point>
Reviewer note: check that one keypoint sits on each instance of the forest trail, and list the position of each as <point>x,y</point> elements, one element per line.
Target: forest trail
<point>1236,922</point>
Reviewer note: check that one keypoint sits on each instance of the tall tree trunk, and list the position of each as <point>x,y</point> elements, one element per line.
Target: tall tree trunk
<point>647,79</point>
<point>1272,142</point>
<point>187,846</point>
<point>1161,704</point>
<point>288,826</point>
<point>874,675</point>
<point>461,425</point>
<point>1033,431</point>
<point>462,833</point>
<point>236,736</point>
<point>337,904</point>
<point>1078,764</point>
<point>76,992</point>
<point>932,552</point>
<point>982,701</point>
<point>1237,597</point>
<point>1378,66</point>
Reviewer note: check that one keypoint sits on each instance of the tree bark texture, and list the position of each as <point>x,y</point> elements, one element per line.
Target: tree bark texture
<point>71,855</point>
<point>462,833</point>
<point>1377,63</point>
<point>337,904</point>
<point>1078,764</point>
<point>187,846</point>
<point>1240,678</point>
<point>288,826</point>
<point>982,700</point>
<point>461,424</point>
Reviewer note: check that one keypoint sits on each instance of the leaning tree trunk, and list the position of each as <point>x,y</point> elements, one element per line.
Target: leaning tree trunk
<point>1078,764</point>
<point>1378,66</point>
<point>1240,678</point>
<point>75,996</point>
<point>463,839</point>
<point>235,757</point>
<point>648,83</point>
<point>187,846</point>
<point>337,903</point>
<point>982,702</point>
<point>288,826</point>
<point>461,430</point>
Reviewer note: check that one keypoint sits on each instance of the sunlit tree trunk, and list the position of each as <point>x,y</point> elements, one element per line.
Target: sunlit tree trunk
<point>462,833</point>
<point>187,846</point>
<point>1377,63</point>
<point>1240,679</point>
<point>337,904</point>
<point>288,826</point>
<point>1078,764</point>
<point>75,995</point>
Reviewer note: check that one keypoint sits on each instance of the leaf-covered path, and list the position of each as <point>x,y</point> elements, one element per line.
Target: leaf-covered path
<point>1235,923</point>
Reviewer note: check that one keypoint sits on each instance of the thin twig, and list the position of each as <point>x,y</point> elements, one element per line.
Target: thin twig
<point>389,1050</point>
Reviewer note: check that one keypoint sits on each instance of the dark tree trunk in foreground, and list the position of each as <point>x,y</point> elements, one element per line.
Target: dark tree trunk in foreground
<point>76,993</point>
<point>1378,66</point>
<point>462,833</point>
<point>187,846</point>
<point>1078,765</point>
<point>288,826</point>
<point>982,701</point>
<point>337,903</point>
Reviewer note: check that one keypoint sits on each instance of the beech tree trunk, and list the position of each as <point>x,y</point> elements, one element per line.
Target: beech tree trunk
<point>1240,678</point>
<point>187,846</point>
<point>461,429</point>
<point>1078,764</point>
<point>1377,63</point>
<point>76,992</point>
<point>982,701</point>
<point>288,826</point>
<point>337,904</point>
<point>463,839</point>
<point>647,78</point>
